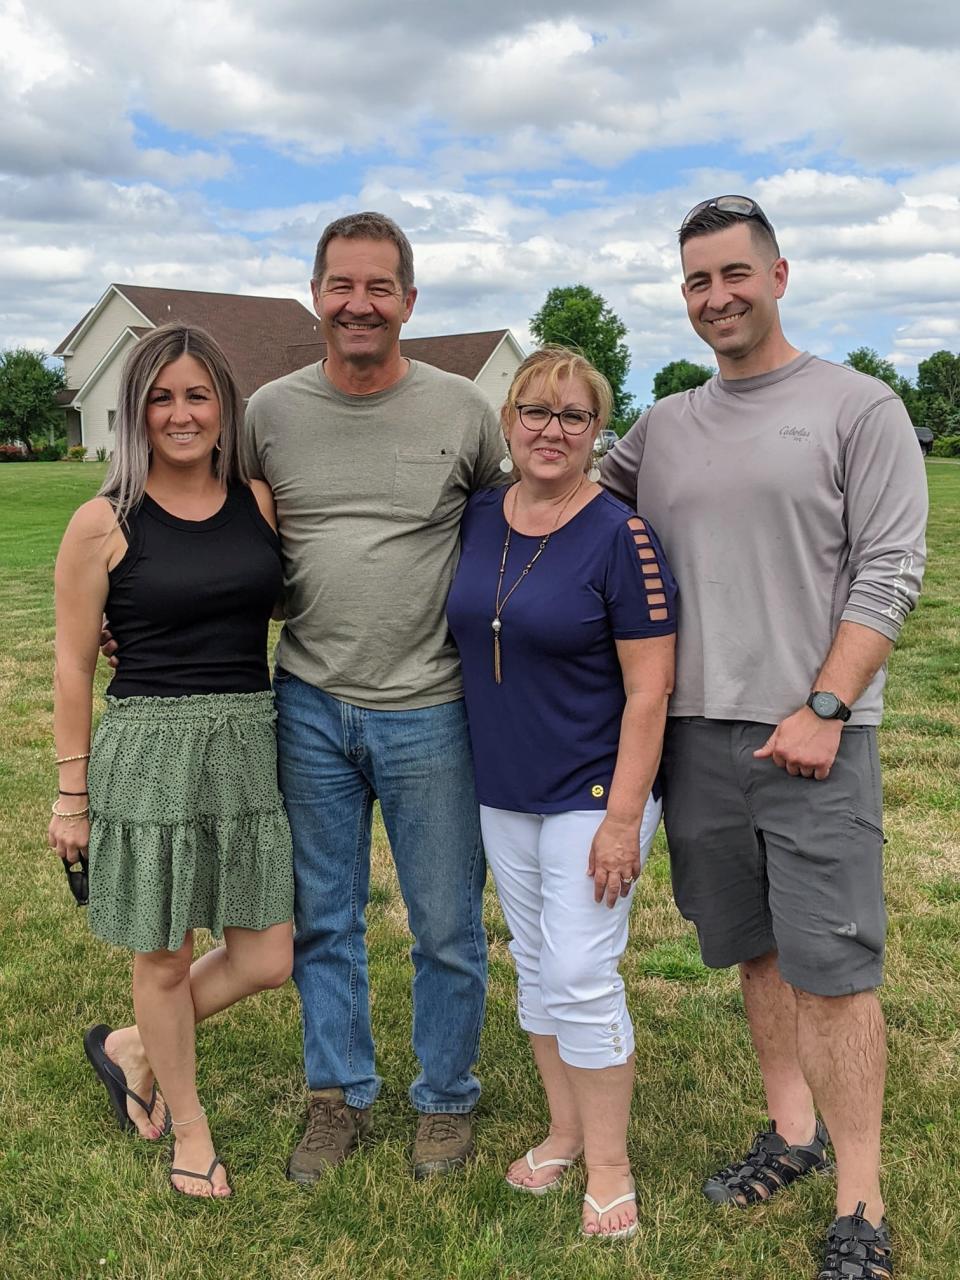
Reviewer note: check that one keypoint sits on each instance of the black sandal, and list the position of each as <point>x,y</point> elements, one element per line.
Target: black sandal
<point>770,1165</point>
<point>201,1177</point>
<point>857,1250</point>
<point>115,1082</point>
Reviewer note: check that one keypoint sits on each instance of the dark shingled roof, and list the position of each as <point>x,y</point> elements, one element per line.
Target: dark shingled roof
<point>250,329</point>
<point>265,338</point>
<point>463,353</point>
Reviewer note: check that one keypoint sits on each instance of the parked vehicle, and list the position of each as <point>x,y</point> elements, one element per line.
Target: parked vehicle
<point>924,439</point>
<point>605,441</point>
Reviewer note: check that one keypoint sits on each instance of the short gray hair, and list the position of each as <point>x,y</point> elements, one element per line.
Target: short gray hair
<point>367,226</point>
<point>126,480</point>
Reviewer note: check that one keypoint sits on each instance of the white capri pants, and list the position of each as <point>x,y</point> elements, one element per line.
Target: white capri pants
<point>566,946</point>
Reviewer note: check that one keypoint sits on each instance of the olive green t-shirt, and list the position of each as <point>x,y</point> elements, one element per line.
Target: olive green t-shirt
<point>369,493</point>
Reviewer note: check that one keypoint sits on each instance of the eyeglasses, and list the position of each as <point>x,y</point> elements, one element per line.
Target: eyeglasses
<point>742,205</point>
<point>537,417</point>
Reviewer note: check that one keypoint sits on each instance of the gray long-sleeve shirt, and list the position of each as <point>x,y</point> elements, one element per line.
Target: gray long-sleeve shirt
<point>786,503</point>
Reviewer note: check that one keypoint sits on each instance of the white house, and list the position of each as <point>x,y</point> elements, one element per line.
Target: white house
<point>263,338</point>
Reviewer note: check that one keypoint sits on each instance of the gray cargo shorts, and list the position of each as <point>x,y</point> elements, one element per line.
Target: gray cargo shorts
<point>762,861</point>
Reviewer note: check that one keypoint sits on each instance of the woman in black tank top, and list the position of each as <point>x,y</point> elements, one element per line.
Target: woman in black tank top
<point>179,808</point>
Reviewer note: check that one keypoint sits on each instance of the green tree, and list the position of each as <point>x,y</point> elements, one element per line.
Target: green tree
<point>28,388</point>
<point>938,390</point>
<point>866,360</point>
<point>574,316</point>
<point>680,375</point>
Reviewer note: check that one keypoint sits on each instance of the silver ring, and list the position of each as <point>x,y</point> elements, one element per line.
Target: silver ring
<point>627,879</point>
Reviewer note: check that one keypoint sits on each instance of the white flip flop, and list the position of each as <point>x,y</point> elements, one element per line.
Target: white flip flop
<point>558,1161</point>
<point>625,1232</point>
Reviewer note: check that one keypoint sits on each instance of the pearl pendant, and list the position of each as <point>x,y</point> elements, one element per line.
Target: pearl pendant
<point>495,626</point>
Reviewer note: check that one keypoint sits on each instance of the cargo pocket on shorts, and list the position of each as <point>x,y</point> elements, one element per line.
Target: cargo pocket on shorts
<point>854,907</point>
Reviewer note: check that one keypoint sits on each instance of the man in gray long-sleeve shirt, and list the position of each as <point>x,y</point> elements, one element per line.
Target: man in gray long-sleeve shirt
<point>790,497</point>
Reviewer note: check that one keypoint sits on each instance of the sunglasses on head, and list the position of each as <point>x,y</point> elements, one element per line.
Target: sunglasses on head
<point>741,205</point>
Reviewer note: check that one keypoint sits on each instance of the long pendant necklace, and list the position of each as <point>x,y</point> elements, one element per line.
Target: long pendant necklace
<point>496,625</point>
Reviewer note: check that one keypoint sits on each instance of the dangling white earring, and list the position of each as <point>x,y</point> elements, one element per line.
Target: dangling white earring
<point>506,463</point>
<point>594,472</point>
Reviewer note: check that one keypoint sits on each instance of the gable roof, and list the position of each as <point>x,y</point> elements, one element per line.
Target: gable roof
<point>463,353</point>
<point>265,338</point>
<point>250,329</point>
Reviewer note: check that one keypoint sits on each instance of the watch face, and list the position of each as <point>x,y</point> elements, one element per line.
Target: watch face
<point>826,705</point>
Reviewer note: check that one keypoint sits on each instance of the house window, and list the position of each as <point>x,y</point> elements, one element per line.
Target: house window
<point>111,414</point>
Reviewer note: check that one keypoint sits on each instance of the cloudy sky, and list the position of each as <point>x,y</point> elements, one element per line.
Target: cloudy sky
<point>521,144</point>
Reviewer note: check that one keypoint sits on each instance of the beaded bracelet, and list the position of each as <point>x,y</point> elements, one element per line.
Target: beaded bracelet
<point>73,813</point>
<point>84,755</point>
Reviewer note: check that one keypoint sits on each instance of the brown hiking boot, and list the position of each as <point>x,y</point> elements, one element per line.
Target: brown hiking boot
<point>334,1129</point>
<point>444,1142</point>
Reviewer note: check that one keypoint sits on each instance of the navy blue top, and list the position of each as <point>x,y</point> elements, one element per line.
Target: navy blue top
<point>545,739</point>
<point>190,602</point>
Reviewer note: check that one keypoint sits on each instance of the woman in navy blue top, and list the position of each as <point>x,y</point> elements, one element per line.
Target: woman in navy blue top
<point>563,611</point>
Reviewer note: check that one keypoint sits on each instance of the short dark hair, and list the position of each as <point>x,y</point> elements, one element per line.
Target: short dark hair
<point>710,220</point>
<point>367,226</point>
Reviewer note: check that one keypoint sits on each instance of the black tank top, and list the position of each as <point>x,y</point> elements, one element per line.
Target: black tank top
<point>190,602</point>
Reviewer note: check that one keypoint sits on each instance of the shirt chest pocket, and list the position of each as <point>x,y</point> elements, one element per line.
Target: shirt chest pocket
<point>422,485</point>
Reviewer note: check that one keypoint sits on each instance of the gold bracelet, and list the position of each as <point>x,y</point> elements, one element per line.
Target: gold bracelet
<point>84,755</point>
<point>73,813</point>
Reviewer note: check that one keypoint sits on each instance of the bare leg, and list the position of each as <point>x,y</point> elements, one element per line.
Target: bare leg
<point>771,1007</point>
<point>603,1102</point>
<point>564,1138</point>
<point>165,1017</point>
<point>250,961</point>
<point>843,1052</point>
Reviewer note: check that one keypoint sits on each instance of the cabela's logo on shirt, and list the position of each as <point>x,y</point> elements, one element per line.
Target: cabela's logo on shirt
<point>800,434</point>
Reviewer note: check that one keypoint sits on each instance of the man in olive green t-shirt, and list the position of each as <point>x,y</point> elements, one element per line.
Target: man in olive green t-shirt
<point>371,459</point>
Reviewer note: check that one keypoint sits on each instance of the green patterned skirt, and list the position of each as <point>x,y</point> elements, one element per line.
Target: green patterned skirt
<point>188,828</point>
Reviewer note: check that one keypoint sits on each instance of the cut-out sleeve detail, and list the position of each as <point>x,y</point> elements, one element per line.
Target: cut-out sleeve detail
<point>640,589</point>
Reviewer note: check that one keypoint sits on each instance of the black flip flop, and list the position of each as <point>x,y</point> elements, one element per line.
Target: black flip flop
<point>201,1177</point>
<point>115,1082</point>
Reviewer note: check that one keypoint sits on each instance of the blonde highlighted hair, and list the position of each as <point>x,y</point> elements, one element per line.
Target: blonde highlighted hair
<point>550,365</point>
<point>126,480</point>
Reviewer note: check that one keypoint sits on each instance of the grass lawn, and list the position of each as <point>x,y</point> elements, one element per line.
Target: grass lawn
<point>78,1198</point>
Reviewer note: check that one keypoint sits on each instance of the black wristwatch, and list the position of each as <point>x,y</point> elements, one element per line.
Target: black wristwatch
<point>828,706</point>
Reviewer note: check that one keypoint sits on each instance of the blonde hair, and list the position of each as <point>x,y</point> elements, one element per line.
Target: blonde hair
<point>552,365</point>
<point>126,480</point>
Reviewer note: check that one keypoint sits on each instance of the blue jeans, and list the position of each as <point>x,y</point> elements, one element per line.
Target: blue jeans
<point>334,760</point>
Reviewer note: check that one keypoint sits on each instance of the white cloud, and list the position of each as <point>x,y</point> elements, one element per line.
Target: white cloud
<point>480,128</point>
